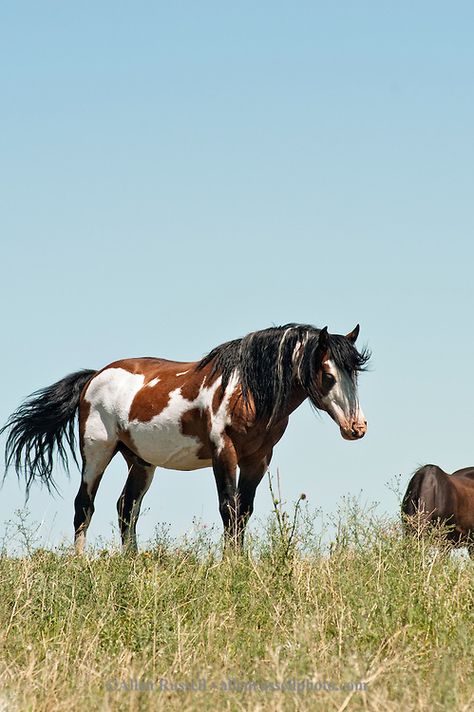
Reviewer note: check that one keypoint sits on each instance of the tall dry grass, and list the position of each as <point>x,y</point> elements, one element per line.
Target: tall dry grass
<point>374,621</point>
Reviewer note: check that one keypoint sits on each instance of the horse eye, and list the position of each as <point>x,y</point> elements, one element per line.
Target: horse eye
<point>328,380</point>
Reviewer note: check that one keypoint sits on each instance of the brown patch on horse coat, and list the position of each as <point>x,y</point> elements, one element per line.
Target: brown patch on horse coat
<point>195,423</point>
<point>151,400</point>
<point>216,399</point>
<point>146,366</point>
<point>148,402</point>
<point>191,387</point>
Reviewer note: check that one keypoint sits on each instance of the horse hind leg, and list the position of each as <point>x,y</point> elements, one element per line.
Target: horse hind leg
<point>96,455</point>
<point>140,477</point>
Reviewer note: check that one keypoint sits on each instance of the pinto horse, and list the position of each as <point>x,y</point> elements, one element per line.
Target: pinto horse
<point>229,409</point>
<point>434,497</point>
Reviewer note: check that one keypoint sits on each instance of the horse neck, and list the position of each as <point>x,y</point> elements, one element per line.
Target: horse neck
<point>297,396</point>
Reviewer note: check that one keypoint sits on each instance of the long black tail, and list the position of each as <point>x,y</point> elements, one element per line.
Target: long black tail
<point>44,421</point>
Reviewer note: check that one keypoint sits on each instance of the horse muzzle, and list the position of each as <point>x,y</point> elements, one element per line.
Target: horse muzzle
<point>355,430</point>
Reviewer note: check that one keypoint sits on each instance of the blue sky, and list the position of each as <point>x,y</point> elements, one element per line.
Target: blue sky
<point>177,174</point>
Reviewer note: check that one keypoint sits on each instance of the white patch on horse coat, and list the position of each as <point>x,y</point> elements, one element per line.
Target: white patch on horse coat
<point>220,419</point>
<point>153,382</point>
<point>110,395</point>
<point>182,373</point>
<point>159,441</point>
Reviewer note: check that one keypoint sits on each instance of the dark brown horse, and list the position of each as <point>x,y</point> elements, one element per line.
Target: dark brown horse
<point>227,410</point>
<point>434,497</point>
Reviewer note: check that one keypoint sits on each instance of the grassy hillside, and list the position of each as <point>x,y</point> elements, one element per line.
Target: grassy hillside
<point>373,622</point>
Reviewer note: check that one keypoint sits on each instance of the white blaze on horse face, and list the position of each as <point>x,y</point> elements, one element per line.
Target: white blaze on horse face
<point>342,403</point>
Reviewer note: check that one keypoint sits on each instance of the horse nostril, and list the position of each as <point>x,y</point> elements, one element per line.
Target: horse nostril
<point>358,430</point>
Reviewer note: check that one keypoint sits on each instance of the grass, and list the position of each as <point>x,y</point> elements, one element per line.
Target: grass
<point>375,622</point>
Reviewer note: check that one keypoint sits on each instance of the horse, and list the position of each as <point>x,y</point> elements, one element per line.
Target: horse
<point>227,410</point>
<point>434,497</point>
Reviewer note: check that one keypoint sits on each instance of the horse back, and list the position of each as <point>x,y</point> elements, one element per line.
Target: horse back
<point>462,482</point>
<point>466,472</point>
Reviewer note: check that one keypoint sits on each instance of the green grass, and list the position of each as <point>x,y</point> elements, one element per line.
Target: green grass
<point>394,615</point>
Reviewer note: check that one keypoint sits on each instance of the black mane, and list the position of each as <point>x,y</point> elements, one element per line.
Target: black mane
<point>266,362</point>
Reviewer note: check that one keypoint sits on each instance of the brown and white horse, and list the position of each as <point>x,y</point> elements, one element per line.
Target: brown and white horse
<point>227,410</point>
<point>434,497</point>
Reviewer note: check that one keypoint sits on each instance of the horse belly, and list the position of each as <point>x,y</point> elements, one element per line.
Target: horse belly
<point>164,445</point>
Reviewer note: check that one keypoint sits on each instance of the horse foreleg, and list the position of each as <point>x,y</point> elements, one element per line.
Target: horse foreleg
<point>252,470</point>
<point>224,464</point>
<point>138,481</point>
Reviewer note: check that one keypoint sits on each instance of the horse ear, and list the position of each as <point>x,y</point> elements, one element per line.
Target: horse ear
<point>352,336</point>
<point>323,341</point>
